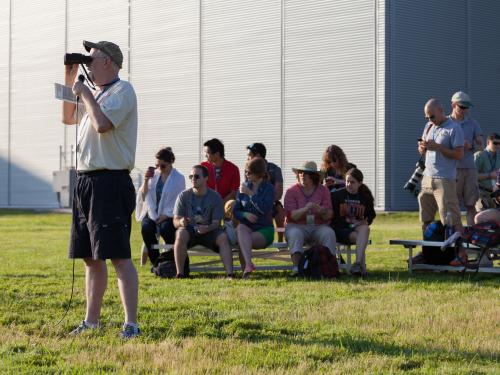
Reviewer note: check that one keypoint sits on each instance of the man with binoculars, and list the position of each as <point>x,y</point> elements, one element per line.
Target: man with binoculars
<point>442,144</point>
<point>104,195</point>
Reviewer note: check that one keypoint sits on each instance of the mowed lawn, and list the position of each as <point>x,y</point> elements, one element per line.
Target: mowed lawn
<point>389,323</point>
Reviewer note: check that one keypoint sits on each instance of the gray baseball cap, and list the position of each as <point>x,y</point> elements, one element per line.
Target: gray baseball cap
<point>109,48</point>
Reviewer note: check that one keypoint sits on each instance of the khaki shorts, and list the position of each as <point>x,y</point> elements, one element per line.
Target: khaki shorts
<point>438,194</point>
<point>467,187</point>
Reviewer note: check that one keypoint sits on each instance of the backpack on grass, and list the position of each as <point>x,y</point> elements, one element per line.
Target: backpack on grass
<point>318,262</point>
<point>434,254</point>
<point>165,267</point>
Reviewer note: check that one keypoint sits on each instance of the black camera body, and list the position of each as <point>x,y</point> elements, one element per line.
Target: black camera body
<point>76,58</point>
<point>416,177</point>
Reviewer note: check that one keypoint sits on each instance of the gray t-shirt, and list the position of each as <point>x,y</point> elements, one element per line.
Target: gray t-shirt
<point>451,136</point>
<point>200,209</point>
<point>471,130</point>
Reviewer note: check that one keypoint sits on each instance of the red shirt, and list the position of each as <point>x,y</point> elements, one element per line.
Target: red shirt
<point>228,181</point>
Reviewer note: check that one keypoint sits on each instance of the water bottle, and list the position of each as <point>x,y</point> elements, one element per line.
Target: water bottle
<point>448,226</point>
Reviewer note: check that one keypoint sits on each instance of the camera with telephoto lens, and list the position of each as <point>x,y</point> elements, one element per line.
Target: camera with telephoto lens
<point>416,177</point>
<point>76,58</point>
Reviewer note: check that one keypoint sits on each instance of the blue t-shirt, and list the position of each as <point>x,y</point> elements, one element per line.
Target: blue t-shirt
<point>450,135</point>
<point>471,130</point>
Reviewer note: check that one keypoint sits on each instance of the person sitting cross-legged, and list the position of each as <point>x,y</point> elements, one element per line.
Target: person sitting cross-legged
<point>198,213</point>
<point>308,209</point>
<point>353,213</point>
<point>253,209</point>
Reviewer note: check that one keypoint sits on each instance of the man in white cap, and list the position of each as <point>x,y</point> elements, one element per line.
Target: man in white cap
<point>467,184</point>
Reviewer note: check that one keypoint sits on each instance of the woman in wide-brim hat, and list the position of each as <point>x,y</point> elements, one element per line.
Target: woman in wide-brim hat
<point>308,210</point>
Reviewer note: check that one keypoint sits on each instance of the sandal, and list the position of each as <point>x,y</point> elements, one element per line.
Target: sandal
<point>248,271</point>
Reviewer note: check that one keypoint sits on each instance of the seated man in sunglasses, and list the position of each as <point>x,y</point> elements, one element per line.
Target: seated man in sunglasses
<point>198,213</point>
<point>442,144</point>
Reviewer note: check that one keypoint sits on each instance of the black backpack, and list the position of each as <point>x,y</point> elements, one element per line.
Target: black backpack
<point>165,267</point>
<point>318,262</point>
<point>434,254</point>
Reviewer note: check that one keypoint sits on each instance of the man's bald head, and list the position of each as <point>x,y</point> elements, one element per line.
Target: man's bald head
<point>434,111</point>
<point>433,104</point>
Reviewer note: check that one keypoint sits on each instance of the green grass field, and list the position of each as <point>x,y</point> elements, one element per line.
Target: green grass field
<point>389,323</point>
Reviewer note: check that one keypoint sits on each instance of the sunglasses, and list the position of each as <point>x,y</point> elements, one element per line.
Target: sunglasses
<point>430,117</point>
<point>194,176</point>
<point>462,107</point>
<point>496,143</point>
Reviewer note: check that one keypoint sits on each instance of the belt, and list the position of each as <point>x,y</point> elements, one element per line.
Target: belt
<point>103,171</point>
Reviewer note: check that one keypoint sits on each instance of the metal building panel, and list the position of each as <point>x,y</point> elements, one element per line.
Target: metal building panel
<point>164,69</point>
<point>4,100</point>
<point>330,82</point>
<point>36,132</point>
<point>241,75</point>
<point>483,73</point>
<point>427,58</point>
<point>380,188</point>
<point>96,20</point>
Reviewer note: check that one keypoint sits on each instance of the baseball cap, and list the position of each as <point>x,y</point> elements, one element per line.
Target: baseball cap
<point>461,98</point>
<point>257,148</point>
<point>109,48</point>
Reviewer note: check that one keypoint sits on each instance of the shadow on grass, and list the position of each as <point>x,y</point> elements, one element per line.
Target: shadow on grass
<point>376,276</point>
<point>256,332</point>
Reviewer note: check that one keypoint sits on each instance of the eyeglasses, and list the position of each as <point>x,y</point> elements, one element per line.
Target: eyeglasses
<point>194,176</point>
<point>430,117</point>
<point>462,107</point>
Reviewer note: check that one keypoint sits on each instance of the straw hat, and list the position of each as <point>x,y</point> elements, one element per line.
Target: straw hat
<point>308,166</point>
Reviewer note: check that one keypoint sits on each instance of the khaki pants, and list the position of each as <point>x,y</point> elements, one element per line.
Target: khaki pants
<point>438,194</point>
<point>467,186</point>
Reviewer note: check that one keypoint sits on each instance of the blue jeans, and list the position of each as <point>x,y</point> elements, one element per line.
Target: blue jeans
<point>149,229</point>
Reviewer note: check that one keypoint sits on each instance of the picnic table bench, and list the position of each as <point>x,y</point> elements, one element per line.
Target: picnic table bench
<point>277,251</point>
<point>470,248</point>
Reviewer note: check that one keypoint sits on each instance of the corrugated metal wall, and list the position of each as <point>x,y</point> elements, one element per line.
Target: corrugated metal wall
<point>295,75</point>
<point>330,87</point>
<point>4,100</point>
<point>164,55</point>
<point>37,47</point>
<point>483,71</point>
<point>435,49</point>
<point>241,75</point>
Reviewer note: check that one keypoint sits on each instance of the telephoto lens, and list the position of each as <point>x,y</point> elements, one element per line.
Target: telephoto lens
<point>76,58</point>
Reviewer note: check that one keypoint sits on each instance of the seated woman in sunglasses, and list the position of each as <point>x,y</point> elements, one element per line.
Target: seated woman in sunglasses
<point>254,211</point>
<point>156,199</point>
<point>334,166</point>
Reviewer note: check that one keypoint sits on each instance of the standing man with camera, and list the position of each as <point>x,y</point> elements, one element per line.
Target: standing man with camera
<point>104,194</point>
<point>442,144</point>
<point>467,185</point>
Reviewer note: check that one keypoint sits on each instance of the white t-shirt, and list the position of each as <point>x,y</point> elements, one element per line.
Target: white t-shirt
<point>114,149</point>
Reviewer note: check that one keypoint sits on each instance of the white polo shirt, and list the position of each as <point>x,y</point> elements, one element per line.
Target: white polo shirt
<point>114,149</point>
